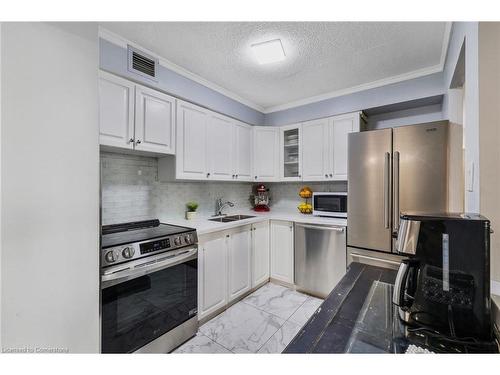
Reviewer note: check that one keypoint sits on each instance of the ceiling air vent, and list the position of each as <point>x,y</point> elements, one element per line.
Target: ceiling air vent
<point>142,63</point>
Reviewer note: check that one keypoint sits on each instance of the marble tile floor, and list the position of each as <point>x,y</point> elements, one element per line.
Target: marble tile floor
<point>263,322</point>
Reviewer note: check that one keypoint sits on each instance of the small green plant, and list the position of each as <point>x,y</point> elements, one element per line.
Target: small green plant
<point>192,206</point>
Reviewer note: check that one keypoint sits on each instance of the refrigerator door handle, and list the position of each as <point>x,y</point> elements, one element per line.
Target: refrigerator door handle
<point>386,189</point>
<point>396,191</point>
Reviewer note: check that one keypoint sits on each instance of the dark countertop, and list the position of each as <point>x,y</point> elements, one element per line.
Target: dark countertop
<point>357,317</point>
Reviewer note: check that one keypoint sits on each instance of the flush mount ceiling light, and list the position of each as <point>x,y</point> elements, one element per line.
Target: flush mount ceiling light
<point>268,52</point>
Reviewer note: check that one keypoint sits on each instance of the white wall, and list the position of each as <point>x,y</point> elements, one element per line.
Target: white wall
<point>50,187</point>
<point>467,32</point>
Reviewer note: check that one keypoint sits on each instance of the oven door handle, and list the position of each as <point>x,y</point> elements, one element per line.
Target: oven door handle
<point>109,279</point>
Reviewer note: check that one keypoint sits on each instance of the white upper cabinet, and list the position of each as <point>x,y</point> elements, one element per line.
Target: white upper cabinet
<point>154,121</point>
<point>220,147</point>
<point>291,153</point>
<point>266,143</point>
<point>116,111</point>
<point>324,147</point>
<point>149,125</point>
<point>191,157</point>
<point>242,152</point>
<point>341,127</point>
<point>315,155</point>
<point>239,262</point>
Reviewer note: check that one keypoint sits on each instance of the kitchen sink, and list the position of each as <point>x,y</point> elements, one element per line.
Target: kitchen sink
<point>239,217</point>
<point>231,218</point>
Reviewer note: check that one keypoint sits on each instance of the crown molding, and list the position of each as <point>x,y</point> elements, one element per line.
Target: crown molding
<point>123,42</point>
<point>363,87</point>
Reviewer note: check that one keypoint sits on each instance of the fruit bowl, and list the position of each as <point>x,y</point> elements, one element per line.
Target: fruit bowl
<point>305,209</point>
<point>305,192</point>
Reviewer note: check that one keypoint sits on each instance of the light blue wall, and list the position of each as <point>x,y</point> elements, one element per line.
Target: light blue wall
<point>404,117</point>
<point>467,32</point>
<point>417,88</point>
<point>113,58</point>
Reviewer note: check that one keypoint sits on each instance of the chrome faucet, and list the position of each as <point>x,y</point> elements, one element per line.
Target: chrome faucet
<point>219,206</point>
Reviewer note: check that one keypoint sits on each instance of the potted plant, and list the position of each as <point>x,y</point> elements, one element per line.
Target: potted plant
<point>191,210</point>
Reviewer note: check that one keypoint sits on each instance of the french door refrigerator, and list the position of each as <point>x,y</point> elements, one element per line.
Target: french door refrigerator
<point>392,171</point>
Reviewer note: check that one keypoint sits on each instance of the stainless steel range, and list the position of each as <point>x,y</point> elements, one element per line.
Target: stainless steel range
<point>149,281</point>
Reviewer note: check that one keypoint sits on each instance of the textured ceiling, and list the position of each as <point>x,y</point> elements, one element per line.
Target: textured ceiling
<point>321,56</point>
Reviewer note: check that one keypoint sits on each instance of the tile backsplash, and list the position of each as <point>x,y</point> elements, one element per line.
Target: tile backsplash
<point>131,191</point>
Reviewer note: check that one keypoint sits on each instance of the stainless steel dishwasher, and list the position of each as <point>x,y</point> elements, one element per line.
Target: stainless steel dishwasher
<point>320,257</point>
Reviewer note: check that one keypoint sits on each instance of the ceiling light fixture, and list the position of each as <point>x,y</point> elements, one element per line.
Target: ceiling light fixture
<point>269,52</point>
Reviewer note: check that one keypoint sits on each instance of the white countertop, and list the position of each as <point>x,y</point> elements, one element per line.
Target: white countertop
<point>203,225</point>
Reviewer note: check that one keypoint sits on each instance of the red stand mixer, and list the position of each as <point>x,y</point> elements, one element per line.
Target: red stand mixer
<point>261,198</point>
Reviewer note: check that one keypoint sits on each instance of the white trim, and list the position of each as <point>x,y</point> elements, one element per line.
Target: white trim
<point>354,89</point>
<point>495,288</point>
<point>446,42</point>
<point>123,42</point>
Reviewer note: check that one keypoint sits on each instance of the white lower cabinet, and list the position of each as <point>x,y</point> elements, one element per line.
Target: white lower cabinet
<point>212,273</point>
<point>282,251</point>
<point>260,253</point>
<point>239,262</point>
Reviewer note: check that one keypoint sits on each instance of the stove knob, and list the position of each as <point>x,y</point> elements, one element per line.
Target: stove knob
<point>128,252</point>
<point>177,241</point>
<point>187,238</point>
<point>110,256</point>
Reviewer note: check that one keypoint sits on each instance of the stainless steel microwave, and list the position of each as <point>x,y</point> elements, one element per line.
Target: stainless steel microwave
<point>330,204</point>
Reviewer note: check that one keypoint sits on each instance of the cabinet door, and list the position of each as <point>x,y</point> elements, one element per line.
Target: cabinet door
<point>191,156</point>
<point>342,126</point>
<point>260,253</point>
<point>212,274</point>
<point>291,153</point>
<point>266,153</point>
<point>315,150</point>
<point>282,251</point>
<point>116,111</point>
<point>154,121</point>
<point>243,152</point>
<point>239,262</point>
<point>220,147</point>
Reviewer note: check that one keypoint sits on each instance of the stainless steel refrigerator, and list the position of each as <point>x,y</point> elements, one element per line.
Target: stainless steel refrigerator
<point>392,171</point>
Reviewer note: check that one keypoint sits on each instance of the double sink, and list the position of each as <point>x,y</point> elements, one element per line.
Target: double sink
<point>231,218</point>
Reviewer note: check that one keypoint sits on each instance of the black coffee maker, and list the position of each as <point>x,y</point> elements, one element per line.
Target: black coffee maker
<point>444,284</point>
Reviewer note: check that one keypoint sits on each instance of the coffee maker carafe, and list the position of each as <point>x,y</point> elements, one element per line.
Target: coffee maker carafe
<point>444,284</point>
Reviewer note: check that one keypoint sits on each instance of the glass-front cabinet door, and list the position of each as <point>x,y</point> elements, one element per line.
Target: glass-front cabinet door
<point>291,153</point>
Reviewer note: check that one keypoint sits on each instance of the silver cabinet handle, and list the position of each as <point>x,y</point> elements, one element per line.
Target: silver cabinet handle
<point>387,197</point>
<point>208,174</point>
<point>138,142</point>
<point>236,176</point>
<point>318,227</point>
<point>396,190</point>
<point>131,140</point>
<point>326,175</point>
<point>331,175</point>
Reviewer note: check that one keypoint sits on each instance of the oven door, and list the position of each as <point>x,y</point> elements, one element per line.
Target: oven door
<point>330,204</point>
<point>147,300</point>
